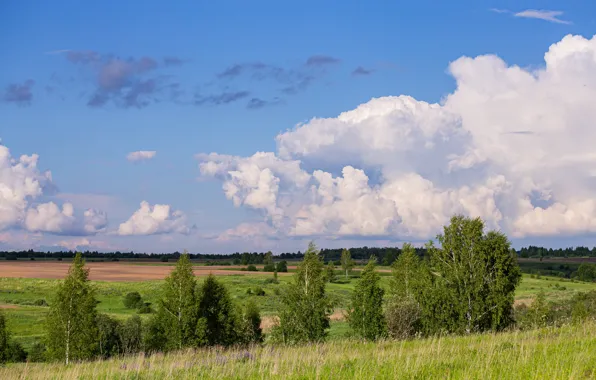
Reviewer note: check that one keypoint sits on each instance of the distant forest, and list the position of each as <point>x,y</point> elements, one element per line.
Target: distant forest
<point>385,255</point>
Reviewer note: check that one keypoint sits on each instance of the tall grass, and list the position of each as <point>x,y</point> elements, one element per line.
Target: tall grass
<point>552,353</point>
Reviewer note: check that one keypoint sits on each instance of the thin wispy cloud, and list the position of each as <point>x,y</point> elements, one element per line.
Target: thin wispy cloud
<point>141,155</point>
<point>551,16</point>
<point>540,14</point>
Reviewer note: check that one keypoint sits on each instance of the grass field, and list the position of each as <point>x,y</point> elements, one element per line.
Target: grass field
<point>549,353</point>
<point>18,296</point>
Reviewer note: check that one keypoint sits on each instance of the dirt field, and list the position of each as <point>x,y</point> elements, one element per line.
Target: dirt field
<point>112,271</point>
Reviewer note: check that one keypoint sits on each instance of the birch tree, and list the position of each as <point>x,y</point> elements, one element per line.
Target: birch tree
<point>71,328</point>
<point>305,307</point>
<point>178,309</point>
<point>474,276</point>
<point>346,261</point>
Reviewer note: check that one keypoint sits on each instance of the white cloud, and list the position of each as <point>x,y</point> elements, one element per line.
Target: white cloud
<point>399,167</point>
<point>542,14</point>
<point>153,220</point>
<point>141,155</point>
<point>247,231</point>
<point>48,217</point>
<point>21,183</point>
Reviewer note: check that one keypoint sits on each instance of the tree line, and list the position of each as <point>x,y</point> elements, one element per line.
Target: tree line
<point>464,285</point>
<point>385,255</point>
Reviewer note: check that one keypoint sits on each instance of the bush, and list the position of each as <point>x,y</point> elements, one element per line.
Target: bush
<point>145,308</point>
<point>269,267</point>
<point>164,259</point>
<point>16,353</point>
<point>251,268</point>
<point>258,291</point>
<point>403,318</point>
<point>282,266</point>
<point>130,333</point>
<point>40,302</point>
<point>133,300</point>
<point>37,354</point>
<point>271,280</point>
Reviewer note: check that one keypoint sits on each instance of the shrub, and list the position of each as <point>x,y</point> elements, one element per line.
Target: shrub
<point>164,259</point>
<point>269,267</point>
<point>258,291</point>
<point>282,266</point>
<point>16,353</point>
<point>249,291</point>
<point>40,302</point>
<point>403,318</point>
<point>271,280</point>
<point>251,268</point>
<point>145,308</point>
<point>133,300</point>
<point>130,333</point>
<point>37,354</point>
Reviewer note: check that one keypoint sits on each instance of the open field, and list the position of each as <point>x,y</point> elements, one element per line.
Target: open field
<point>549,353</point>
<point>112,280</point>
<point>108,271</point>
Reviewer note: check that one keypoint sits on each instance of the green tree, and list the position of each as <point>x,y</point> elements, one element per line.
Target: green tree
<point>346,261</point>
<point>407,274</point>
<point>268,261</point>
<point>282,266</point>
<point>305,307</point>
<point>4,339</point>
<point>71,321</point>
<point>474,276</point>
<point>365,315</point>
<point>178,310</point>
<point>217,313</point>
<point>330,272</point>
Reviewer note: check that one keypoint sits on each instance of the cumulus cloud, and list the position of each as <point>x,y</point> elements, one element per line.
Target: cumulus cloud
<point>21,183</point>
<point>154,220</point>
<point>48,217</point>
<point>511,145</point>
<point>141,155</point>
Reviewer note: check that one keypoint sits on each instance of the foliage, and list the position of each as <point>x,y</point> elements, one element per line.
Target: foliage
<point>539,314</point>
<point>282,266</point>
<point>586,272</point>
<point>71,329</point>
<point>403,317</point>
<point>268,261</point>
<point>130,334</point>
<point>4,339</point>
<point>474,276</point>
<point>249,327</point>
<point>217,313</point>
<point>133,300</point>
<point>16,353</point>
<point>37,353</point>
<point>178,312</point>
<point>304,306</point>
<point>330,275</point>
<point>365,314</point>
<point>251,268</point>
<point>408,278</point>
<point>108,338</point>
<point>346,261</point>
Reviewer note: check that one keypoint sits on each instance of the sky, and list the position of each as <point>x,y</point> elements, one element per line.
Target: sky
<point>230,126</point>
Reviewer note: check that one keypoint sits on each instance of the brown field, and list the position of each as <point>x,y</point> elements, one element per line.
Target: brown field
<point>110,271</point>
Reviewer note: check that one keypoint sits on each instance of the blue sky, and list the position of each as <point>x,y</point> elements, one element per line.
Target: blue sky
<point>85,84</point>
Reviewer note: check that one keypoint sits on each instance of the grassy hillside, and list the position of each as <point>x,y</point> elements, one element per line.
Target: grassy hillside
<point>550,353</point>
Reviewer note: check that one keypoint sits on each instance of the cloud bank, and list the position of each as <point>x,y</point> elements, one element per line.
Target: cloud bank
<point>509,145</point>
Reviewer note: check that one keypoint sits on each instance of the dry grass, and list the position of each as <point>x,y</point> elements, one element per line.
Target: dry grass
<point>562,353</point>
